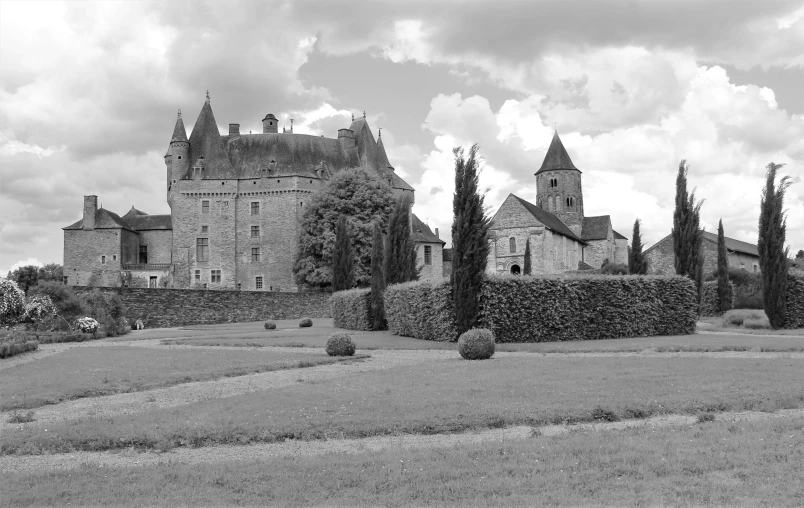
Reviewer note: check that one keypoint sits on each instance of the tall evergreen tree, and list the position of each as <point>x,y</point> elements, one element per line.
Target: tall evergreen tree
<point>343,258</point>
<point>772,252</point>
<point>469,240</point>
<point>687,232</point>
<point>378,321</point>
<point>526,268</point>
<point>401,253</point>
<point>637,262</point>
<point>724,294</point>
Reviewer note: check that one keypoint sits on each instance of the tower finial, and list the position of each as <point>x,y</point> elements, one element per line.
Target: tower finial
<point>207,95</point>
<point>555,129</point>
<point>364,113</point>
<point>353,117</point>
<point>379,130</point>
<point>179,113</point>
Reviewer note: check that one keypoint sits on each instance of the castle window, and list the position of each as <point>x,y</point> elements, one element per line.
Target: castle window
<point>202,250</point>
<point>258,283</point>
<point>205,206</point>
<point>204,229</point>
<point>143,254</point>
<point>512,244</point>
<point>152,281</point>
<point>255,254</point>
<point>103,260</point>
<point>179,157</point>
<point>428,255</point>
<point>255,207</point>
<point>198,275</point>
<point>215,275</point>
<point>114,257</point>
<point>255,231</point>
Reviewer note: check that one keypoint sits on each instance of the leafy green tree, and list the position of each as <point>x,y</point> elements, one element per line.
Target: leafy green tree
<point>772,252</point>
<point>343,258</point>
<point>51,272</point>
<point>800,254</point>
<point>469,240</point>
<point>724,294</point>
<point>526,268</point>
<point>401,256</point>
<point>687,232</point>
<point>637,262</point>
<point>377,301</point>
<point>364,199</point>
<point>25,277</point>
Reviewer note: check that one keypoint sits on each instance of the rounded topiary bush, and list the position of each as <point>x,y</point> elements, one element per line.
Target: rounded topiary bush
<point>305,322</point>
<point>340,344</point>
<point>270,325</point>
<point>476,344</point>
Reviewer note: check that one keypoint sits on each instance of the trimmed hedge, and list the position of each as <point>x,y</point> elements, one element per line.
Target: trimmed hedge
<point>538,309</point>
<point>351,309</point>
<point>9,349</point>
<point>710,306</point>
<point>476,344</point>
<point>421,309</point>
<point>340,344</point>
<point>795,302</point>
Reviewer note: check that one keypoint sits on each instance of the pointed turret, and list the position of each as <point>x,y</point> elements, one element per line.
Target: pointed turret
<point>179,133</point>
<point>383,157</point>
<point>557,156</point>
<point>206,142</point>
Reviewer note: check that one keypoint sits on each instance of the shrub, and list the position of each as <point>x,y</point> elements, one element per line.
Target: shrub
<point>351,309</point>
<point>536,309</point>
<point>13,348</point>
<point>738,317</point>
<point>608,268</point>
<point>88,325</point>
<point>305,323</point>
<point>476,344</point>
<point>747,288</point>
<point>67,303</point>
<point>421,309</point>
<point>756,324</point>
<point>12,301</point>
<point>706,417</point>
<point>710,299</point>
<point>270,325</point>
<point>795,302</point>
<point>340,344</point>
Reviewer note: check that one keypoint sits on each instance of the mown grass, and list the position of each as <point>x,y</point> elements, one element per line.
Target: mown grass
<point>441,397</point>
<point>746,321</point>
<point>92,371</point>
<point>712,464</point>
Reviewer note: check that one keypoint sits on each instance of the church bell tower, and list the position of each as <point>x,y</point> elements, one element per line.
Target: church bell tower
<point>558,186</point>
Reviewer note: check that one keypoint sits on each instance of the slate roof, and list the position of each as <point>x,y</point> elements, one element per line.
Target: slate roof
<point>556,157</point>
<point>596,228</point>
<point>104,219</point>
<point>179,132</point>
<point>383,157</point>
<point>548,219</point>
<point>734,245</point>
<point>206,142</point>
<point>422,232</point>
<point>151,222</point>
<point>618,236</point>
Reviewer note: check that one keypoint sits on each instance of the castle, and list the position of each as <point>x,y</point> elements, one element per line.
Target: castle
<point>560,237</point>
<point>236,203</point>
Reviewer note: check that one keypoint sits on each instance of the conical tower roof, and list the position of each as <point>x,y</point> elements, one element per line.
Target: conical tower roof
<point>206,141</point>
<point>557,156</point>
<point>383,157</point>
<point>179,132</point>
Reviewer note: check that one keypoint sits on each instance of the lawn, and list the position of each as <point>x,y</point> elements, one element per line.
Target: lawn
<point>713,464</point>
<point>441,397</point>
<point>90,371</point>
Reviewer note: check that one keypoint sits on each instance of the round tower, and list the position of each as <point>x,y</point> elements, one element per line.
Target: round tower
<point>558,186</point>
<point>177,158</point>
<point>270,125</point>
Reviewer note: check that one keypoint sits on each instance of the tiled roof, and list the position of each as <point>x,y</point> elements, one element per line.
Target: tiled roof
<point>596,228</point>
<point>556,157</point>
<point>422,232</point>
<point>205,141</point>
<point>548,219</point>
<point>618,236</point>
<point>399,183</point>
<point>104,219</point>
<point>151,222</point>
<point>734,245</point>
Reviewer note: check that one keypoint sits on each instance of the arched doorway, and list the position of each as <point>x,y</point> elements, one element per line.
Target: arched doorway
<point>515,270</point>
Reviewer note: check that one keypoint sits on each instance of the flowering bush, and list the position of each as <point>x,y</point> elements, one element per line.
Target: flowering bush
<point>12,301</point>
<point>87,325</point>
<point>37,308</point>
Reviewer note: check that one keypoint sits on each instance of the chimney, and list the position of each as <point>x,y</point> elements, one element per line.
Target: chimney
<point>90,209</point>
<point>234,129</point>
<point>270,124</point>
<point>437,233</point>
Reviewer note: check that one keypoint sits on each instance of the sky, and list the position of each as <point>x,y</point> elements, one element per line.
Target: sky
<point>89,93</point>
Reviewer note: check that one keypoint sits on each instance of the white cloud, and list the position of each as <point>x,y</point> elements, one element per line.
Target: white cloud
<point>19,264</point>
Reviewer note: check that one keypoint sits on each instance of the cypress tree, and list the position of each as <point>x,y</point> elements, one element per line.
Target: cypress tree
<point>637,262</point>
<point>526,268</point>
<point>723,288</point>
<point>343,258</point>
<point>401,252</point>
<point>772,252</point>
<point>687,232</point>
<point>377,280</point>
<point>469,240</point>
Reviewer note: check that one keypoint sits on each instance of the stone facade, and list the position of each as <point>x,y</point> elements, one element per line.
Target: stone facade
<point>429,250</point>
<point>561,237</point>
<point>236,204</point>
<point>743,255</point>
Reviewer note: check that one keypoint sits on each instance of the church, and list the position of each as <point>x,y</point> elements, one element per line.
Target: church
<point>236,203</point>
<point>555,231</point>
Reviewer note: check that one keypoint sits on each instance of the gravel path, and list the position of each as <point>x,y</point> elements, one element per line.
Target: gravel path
<point>206,455</point>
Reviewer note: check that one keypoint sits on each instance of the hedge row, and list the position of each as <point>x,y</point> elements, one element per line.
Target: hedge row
<point>422,310</point>
<point>795,302</point>
<point>710,304</point>
<point>351,309</point>
<point>9,349</point>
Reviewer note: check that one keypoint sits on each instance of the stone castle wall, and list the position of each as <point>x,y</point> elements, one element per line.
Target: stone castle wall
<point>435,270</point>
<point>160,308</point>
<point>82,257</point>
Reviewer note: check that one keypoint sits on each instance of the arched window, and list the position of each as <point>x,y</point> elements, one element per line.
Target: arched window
<point>515,270</point>
<point>551,204</point>
<point>512,244</point>
<point>568,202</point>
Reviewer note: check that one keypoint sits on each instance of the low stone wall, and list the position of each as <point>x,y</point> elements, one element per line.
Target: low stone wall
<point>161,308</point>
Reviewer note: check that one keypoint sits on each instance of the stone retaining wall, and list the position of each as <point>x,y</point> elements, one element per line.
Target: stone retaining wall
<point>161,308</point>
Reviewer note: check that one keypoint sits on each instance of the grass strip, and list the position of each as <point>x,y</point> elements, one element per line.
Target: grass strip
<point>440,397</point>
<point>711,464</point>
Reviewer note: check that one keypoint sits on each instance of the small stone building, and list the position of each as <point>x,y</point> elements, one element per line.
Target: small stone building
<point>429,250</point>
<point>743,255</point>
<point>236,203</point>
<point>560,237</point>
